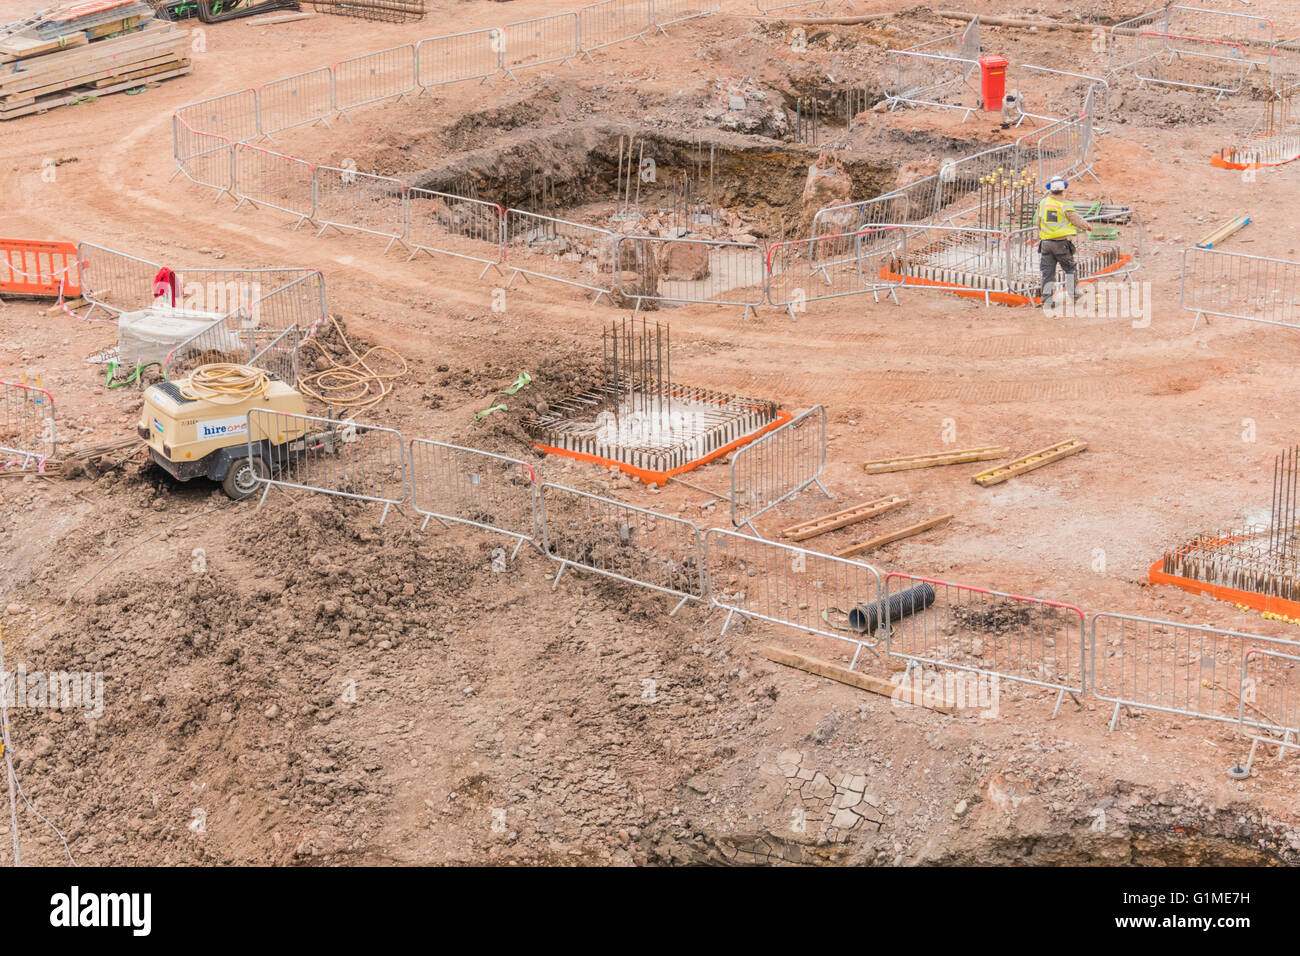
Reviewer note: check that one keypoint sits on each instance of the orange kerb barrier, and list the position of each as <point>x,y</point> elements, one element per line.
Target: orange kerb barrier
<point>1260,602</point>
<point>33,267</point>
<point>660,478</point>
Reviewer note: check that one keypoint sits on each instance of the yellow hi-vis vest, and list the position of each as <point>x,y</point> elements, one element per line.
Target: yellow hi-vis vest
<point>1052,221</point>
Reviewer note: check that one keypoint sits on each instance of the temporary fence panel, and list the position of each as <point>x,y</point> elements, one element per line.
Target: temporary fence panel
<point>1193,62</point>
<point>454,226</point>
<point>27,427</point>
<point>304,303</point>
<point>114,280</point>
<point>329,456</point>
<point>925,75</point>
<point>1178,668</point>
<point>1062,149</point>
<point>920,201</point>
<point>536,42</point>
<point>347,199</point>
<point>35,267</point>
<point>1269,701</point>
<point>958,192</point>
<point>854,217</point>
<point>778,465</point>
<point>557,249</point>
<point>1024,639</point>
<point>493,492</point>
<point>231,115</point>
<point>826,267</point>
<point>691,270</point>
<point>384,75</point>
<point>279,356</point>
<point>674,11</point>
<point>1122,45</point>
<point>613,21</point>
<point>1256,35</point>
<point>475,55</point>
<point>266,178</point>
<point>203,158</point>
<point>813,592</point>
<point>297,100</point>
<point>1240,286</point>
<point>622,541</point>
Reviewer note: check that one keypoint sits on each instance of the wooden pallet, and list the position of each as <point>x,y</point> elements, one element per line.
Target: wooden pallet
<point>841,519</point>
<point>156,52</point>
<point>1037,459</point>
<point>863,546</point>
<point>907,462</point>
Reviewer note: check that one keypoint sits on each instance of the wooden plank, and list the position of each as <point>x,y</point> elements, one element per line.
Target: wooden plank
<point>20,48</point>
<point>54,102</point>
<point>1037,459</point>
<point>898,535</point>
<point>867,682</point>
<point>89,57</point>
<point>907,462</point>
<point>281,18</point>
<point>840,519</point>
<point>48,83</point>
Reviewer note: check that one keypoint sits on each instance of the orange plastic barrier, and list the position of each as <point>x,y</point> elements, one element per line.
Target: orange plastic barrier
<point>1260,602</point>
<point>33,267</point>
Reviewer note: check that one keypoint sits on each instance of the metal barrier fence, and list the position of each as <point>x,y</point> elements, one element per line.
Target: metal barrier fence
<point>27,426</point>
<point>374,77</point>
<point>454,226</point>
<point>550,248</point>
<point>304,303</point>
<point>935,73</point>
<point>235,116</point>
<point>265,178</point>
<point>296,101</point>
<point>1269,708</point>
<point>1196,63</point>
<point>653,269</point>
<point>1177,668</point>
<point>608,22</point>
<point>777,466</point>
<point>279,357</point>
<point>1254,34</point>
<point>202,158</point>
<point>856,216</point>
<point>1240,286</point>
<point>492,492</point>
<point>347,199</point>
<point>475,55</point>
<point>541,40</point>
<point>1022,639</point>
<point>623,542</point>
<point>776,582</point>
<point>1063,149</point>
<point>113,280</point>
<point>249,327</point>
<point>958,192</point>
<point>333,457</point>
<point>827,267</point>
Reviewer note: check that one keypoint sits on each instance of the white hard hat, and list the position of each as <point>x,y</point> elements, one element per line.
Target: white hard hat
<point>1057,184</point>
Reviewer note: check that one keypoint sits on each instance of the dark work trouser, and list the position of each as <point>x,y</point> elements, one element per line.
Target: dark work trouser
<point>1051,253</point>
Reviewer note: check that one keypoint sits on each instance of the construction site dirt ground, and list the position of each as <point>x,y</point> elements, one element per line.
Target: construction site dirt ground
<point>318,689</point>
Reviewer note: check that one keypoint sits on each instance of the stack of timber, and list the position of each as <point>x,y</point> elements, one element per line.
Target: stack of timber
<point>61,56</point>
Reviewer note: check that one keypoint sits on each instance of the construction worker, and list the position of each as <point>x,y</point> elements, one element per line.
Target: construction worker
<point>1057,221</point>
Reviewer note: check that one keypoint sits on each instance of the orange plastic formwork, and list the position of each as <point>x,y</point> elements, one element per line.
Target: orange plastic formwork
<point>1003,298</point>
<point>38,268</point>
<point>660,478</point>
<point>1260,602</point>
<point>1221,163</point>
